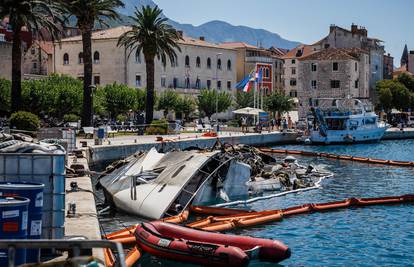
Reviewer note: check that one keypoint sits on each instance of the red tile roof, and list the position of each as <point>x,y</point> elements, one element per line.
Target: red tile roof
<point>335,54</point>
<point>234,45</point>
<point>299,52</point>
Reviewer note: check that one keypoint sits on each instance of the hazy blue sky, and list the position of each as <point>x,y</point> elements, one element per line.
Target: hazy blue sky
<point>306,21</point>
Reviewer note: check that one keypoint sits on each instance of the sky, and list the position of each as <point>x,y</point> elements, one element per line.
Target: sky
<point>305,21</point>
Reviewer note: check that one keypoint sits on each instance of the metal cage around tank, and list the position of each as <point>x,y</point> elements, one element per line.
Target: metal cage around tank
<point>48,169</point>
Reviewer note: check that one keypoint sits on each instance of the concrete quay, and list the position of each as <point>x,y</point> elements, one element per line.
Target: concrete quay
<point>100,154</point>
<point>85,222</point>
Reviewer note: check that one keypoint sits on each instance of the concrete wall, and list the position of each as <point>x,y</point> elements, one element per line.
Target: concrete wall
<point>6,60</point>
<point>108,153</point>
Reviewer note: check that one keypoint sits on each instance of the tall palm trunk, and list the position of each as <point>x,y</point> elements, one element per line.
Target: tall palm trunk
<point>16,93</point>
<point>149,107</point>
<point>87,76</point>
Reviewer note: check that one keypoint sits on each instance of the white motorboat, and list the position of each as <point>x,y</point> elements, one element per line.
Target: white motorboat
<point>345,121</point>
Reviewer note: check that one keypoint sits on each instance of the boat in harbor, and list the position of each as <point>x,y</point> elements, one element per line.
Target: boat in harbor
<point>156,185</point>
<point>343,121</point>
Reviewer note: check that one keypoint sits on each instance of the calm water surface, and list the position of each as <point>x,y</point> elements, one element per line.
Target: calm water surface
<point>373,236</point>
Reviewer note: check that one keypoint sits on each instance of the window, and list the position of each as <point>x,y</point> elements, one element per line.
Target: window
<point>96,57</point>
<point>219,64</point>
<point>33,51</point>
<point>198,83</point>
<point>335,84</point>
<point>326,46</point>
<point>228,85</point>
<point>356,83</point>
<point>175,83</point>
<point>187,82</point>
<point>198,62</point>
<point>97,80</point>
<point>163,82</point>
<point>208,63</point>
<point>314,67</point>
<point>80,58</point>
<point>293,93</point>
<point>208,84</point>
<point>293,71</point>
<point>137,80</point>
<point>356,66</point>
<point>313,84</point>
<point>66,59</point>
<point>292,82</point>
<point>376,67</point>
<point>137,57</point>
<point>293,61</point>
<point>229,64</point>
<point>34,65</point>
<point>219,85</point>
<point>267,73</point>
<point>335,66</point>
<point>187,61</point>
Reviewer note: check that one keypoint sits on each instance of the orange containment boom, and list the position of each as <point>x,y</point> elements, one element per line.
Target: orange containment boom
<point>225,223</point>
<point>340,157</point>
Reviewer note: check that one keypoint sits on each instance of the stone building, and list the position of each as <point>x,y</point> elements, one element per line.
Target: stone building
<point>388,66</point>
<point>38,59</point>
<point>6,58</point>
<point>291,68</point>
<point>200,64</point>
<point>252,58</point>
<point>357,37</point>
<point>332,73</point>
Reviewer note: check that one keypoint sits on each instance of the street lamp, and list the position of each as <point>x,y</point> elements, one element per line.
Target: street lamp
<point>217,58</point>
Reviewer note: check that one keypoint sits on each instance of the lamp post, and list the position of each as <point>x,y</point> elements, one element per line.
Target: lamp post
<point>217,58</point>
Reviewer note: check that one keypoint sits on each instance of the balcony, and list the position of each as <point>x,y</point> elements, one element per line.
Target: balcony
<point>258,59</point>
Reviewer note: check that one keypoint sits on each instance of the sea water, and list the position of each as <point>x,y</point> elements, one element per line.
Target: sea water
<point>370,236</point>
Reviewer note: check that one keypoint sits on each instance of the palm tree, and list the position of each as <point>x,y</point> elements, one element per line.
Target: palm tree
<point>37,16</point>
<point>87,12</point>
<point>155,38</point>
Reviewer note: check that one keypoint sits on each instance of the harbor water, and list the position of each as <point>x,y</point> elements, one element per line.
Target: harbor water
<point>371,236</point>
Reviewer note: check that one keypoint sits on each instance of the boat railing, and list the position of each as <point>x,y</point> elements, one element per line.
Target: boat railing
<point>74,246</point>
<point>222,163</point>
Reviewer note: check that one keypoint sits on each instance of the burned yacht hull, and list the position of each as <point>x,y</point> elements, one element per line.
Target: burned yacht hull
<point>156,185</point>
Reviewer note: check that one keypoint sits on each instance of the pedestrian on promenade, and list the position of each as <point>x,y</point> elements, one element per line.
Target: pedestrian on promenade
<point>244,124</point>
<point>290,123</point>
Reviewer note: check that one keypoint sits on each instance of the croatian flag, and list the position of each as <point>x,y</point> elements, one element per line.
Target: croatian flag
<point>246,83</point>
<point>259,75</point>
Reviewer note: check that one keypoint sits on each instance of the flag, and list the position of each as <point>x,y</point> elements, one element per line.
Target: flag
<point>259,75</point>
<point>245,84</point>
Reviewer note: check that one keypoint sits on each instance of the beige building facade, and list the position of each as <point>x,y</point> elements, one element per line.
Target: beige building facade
<point>332,73</point>
<point>6,58</point>
<point>199,64</point>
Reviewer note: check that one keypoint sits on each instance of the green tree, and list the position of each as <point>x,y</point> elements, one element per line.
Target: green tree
<point>278,102</point>
<point>207,100</point>
<point>407,80</point>
<point>87,12</point>
<point>401,97</point>
<point>152,35</point>
<point>38,16</point>
<point>141,97</point>
<point>119,99</point>
<point>244,99</point>
<point>385,98</point>
<point>5,94</point>
<point>168,101</point>
<point>185,106</point>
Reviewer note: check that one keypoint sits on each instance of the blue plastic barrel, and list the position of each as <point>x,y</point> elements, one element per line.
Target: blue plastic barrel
<point>34,192</point>
<point>13,225</point>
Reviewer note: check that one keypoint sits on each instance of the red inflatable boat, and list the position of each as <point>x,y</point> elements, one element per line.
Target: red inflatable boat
<point>179,243</point>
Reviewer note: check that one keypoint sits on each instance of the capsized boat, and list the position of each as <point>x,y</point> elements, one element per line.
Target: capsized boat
<point>155,185</point>
<point>180,243</point>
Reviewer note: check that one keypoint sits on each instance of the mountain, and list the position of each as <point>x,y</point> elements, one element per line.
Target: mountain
<point>216,31</point>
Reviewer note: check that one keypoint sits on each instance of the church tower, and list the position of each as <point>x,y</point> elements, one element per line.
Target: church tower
<point>404,57</point>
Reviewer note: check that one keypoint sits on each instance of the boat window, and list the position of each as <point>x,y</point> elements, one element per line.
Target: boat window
<point>178,171</point>
<point>336,124</point>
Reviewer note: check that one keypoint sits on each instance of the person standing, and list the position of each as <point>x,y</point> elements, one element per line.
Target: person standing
<point>290,123</point>
<point>244,124</point>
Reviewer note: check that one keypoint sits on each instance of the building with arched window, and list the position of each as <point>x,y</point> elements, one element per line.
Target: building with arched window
<point>198,62</point>
<point>66,59</point>
<point>208,63</point>
<point>80,58</point>
<point>96,57</point>
<point>187,61</point>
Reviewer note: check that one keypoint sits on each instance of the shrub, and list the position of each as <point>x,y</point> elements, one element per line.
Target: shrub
<point>71,118</point>
<point>121,118</point>
<point>23,120</point>
<point>157,127</point>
